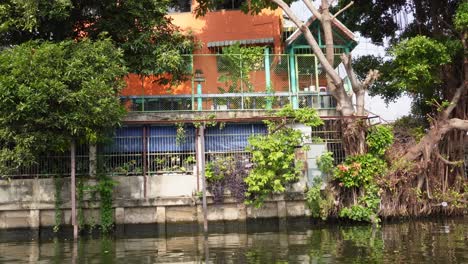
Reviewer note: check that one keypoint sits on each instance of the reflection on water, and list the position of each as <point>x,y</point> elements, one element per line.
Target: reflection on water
<point>430,241</point>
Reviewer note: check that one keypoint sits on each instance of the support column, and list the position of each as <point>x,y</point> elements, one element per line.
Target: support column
<point>282,215</point>
<point>199,98</point>
<point>268,78</point>
<point>92,160</point>
<point>120,220</point>
<point>293,77</point>
<point>201,168</point>
<point>73,189</point>
<point>161,220</point>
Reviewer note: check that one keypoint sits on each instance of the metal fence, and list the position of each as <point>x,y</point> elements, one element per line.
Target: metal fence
<point>149,150</point>
<point>221,82</point>
<point>330,133</point>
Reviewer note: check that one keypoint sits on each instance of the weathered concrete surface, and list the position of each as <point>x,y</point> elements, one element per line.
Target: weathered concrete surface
<point>30,203</point>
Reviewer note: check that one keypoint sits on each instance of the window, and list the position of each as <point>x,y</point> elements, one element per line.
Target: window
<point>229,4</point>
<point>179,6</point>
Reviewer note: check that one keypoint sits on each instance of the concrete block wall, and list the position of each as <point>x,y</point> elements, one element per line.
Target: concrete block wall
<point>30,203</point>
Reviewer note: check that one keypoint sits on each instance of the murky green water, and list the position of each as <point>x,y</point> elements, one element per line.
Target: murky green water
<point>428,241</point>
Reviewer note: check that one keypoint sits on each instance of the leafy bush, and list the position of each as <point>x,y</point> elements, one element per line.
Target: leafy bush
<point>359,170</point>
<point>320,202</point>
<point>227,172</point>
<point>274,164</point>
<point>325,162</point>
<point>379,139</point>
<point>359,213</point>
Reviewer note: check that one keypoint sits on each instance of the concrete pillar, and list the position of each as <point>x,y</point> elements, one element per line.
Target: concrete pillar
<point>92,160</point>
<point>242,217</point>
<point>161,220</point>
<point>34,219</point>
<point>282,215</point>
<point>120,221</point>
<point>35,222</point>
<point>119,215</point>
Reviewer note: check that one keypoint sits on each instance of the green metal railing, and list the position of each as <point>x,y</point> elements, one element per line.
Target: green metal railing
<point>231,82</point>
<point>229,101</point>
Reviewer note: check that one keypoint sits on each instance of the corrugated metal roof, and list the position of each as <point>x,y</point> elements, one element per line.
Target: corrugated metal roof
<point>225,43</point>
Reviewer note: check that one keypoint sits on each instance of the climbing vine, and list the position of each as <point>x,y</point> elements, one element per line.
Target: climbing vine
<point>359,174</point>
<point>319,197</point>
<point>227,172</point>
<point>105,188</point>
<point>273,155</point>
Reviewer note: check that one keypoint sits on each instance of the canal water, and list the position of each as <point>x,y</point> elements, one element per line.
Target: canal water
<point>272,241</point>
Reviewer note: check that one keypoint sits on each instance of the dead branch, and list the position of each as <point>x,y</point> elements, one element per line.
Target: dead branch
<point>444,160</point>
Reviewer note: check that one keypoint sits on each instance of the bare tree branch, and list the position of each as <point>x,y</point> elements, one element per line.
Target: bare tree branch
<point>371,77</point>
<point>453,103</point>
<point>457,123</point>
<point>343,9</point>
<point>311,40</point>
<point>355,83</point>
<point>448,162</point>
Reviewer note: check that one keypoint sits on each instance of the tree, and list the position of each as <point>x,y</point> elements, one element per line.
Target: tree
<point>427,68</point>
<point>151,44</point>
<point>354,135</point>
<point>429,63</point>
<point>54,93</point>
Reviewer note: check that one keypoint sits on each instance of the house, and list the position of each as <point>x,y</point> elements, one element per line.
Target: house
<point>286,71</point>
<point>156,156</point>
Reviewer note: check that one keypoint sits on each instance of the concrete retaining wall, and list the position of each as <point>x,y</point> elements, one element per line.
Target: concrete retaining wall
<point>30,203</point>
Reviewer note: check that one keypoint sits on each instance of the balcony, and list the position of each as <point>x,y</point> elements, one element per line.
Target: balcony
<point>230,83</point>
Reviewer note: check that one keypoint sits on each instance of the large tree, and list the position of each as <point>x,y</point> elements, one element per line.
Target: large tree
<point>354,136</point>
<point>151,44</point>
<point>432,69</point>
<point>52,94</point>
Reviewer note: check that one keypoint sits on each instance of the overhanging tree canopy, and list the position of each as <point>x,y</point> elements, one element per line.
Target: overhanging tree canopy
<point>53,93</point>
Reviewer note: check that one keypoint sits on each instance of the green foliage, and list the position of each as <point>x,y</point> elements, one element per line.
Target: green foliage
<point>216,170</point>
<point>359,213</point>
<point>53,93</point>
<point>105,188</point>
<point>275,164</point>
<point>417,63</point>
<point>251,7</point>
<point>319,201</point>
<point>307,116</point>
<point>235,64</point>
<point>151,44</point>
<point>361,173</point>
<point>379,139</point>
<point>461,17</point>
<point>325,162</point>
<point>180,133</point>
<point>273,154</point>
<point>410,126</point>
<point>359,170</point>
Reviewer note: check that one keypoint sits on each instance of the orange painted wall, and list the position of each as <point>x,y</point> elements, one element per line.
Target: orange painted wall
<point>216,26</point>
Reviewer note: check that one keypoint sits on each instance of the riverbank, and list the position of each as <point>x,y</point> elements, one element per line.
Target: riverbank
<point>434,240</point>
<point>32,203</point>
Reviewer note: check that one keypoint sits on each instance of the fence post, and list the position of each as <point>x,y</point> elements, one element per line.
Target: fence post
<point>241,81</point>
<point>201,165</point>
<point>92,160</point>
<point>199,99</point>
<point>267,77</point>
<point>192,83</point>
<point>73,188</point>
<point>145,165</point>
<point>292,69</point>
